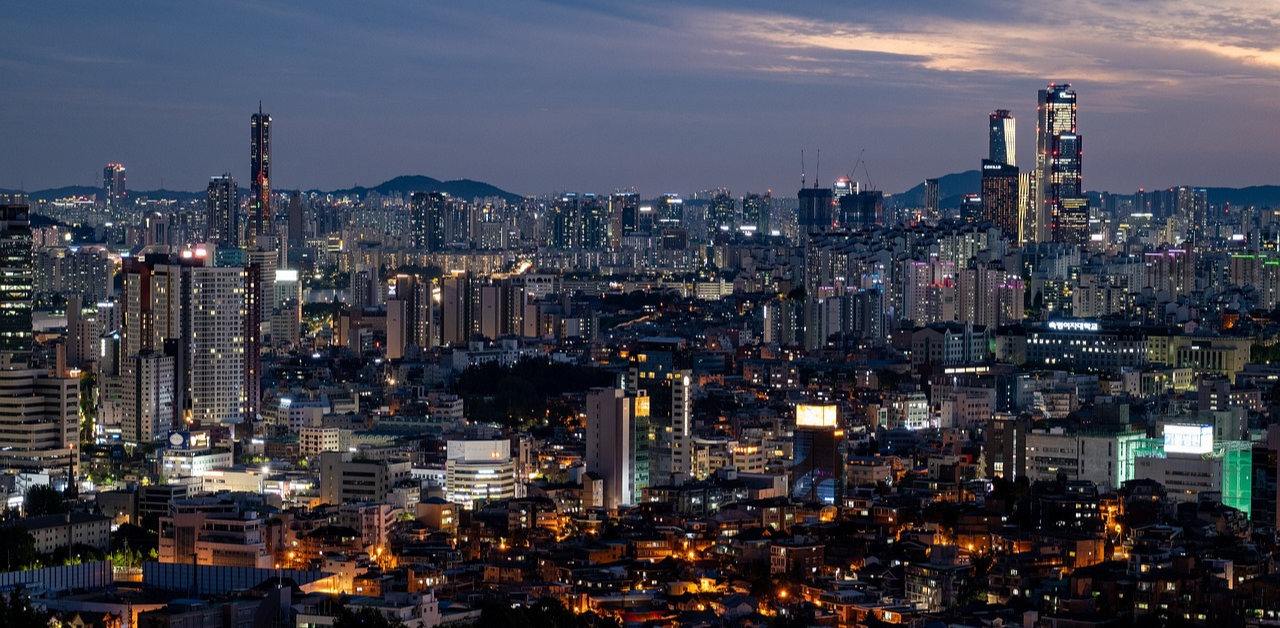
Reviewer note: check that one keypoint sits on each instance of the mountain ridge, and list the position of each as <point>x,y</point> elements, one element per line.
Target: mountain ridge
<point>404,184</point>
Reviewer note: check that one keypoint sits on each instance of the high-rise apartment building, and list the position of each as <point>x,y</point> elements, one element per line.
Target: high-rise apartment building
<point>149,397</point>
<point>260,179</point>
<point>113,187</point>
<point>720,213</point>
<point>755,213</point>
<point>410,311</point>
<point>345,480</point>
<point>624,208</point>
<point>204,316</point>
<point>1003,136</point>
<point>222,203</point>
<point>17,277</point>
<point>1063,209</point>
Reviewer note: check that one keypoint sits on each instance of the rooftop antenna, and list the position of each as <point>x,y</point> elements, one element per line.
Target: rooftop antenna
<point>802,168</point>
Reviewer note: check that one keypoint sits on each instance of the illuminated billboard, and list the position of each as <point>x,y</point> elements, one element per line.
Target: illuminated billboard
<point>812,415</point>
<point>1188,439</point>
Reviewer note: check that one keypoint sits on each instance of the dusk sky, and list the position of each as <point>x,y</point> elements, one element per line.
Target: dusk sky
<point>665,96</point>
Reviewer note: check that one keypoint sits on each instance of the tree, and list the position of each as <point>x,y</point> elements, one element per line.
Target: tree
<point>366,617</point>
<point>43,500</point>
<point>19,550</point>
<point>17,612</point>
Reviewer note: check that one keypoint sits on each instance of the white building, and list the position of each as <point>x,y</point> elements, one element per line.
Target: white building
<point>612,442</point>
<point>39,419</point>
<point>477,471</point>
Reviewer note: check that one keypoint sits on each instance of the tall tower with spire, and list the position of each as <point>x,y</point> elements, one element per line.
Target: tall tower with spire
<point>260,179</point>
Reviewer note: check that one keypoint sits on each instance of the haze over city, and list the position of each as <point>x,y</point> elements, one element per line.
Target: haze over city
<point>663,96</point>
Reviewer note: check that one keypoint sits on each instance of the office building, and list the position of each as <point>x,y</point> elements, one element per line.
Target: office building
<point>932,207</point>
<point>113,187</point>
<point>260,225</point>
<point>479,471</point>
<point>39,419</point>
<point>426,220</point>
<point>617,444</point>
<point>17,272</point>
<point>860,208</point>
<point>1000,196</point>
<point>1062,206</point>
<point>222,201</point>
<point>346,480</point>
<point>1003,136</point>
<point>297,232</point>
<point>816,211</point>
<point>817,469</point>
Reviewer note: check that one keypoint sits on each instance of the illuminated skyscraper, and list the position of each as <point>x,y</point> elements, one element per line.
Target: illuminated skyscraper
<point>817,471</point>
<point>17,265</point>
<point>426,220</point>
<point>1003,147</point>
<point>1000,195</point>
<point>223,206</point>
<point>1062,208</point>
<point>260,175</point>
<point>113,189</point>
<point>932,211</point>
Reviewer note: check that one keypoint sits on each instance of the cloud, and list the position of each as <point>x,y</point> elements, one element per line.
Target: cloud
<point>1172,43</point>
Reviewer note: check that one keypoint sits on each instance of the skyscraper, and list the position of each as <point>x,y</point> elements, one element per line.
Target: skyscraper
<point>816,211</point>
<point>296,231</point>
<point>17,266</point>
<point>113,189</point>
<point>260,175</point>
<point>1003,147</point>
<point>426,220</point>
<point>1000,195</point>
<point>932,210</point>
<point>222,200</point>
<point>1061,207</point>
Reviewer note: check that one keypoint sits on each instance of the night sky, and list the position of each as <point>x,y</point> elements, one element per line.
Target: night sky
<point>664,96</point>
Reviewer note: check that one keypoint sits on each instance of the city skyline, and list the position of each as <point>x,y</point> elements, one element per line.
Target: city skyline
<point>554,96</point>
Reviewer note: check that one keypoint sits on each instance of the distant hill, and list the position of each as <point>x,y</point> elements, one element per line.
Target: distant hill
<point>1257,195</point>
<point>951,190</point>
<point>461,188</point>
